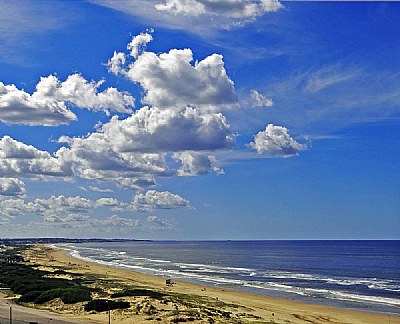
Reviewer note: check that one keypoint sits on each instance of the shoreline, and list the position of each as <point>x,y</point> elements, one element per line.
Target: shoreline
<point>208,304</point>
<point>262,309</point>
<point>349,300</point>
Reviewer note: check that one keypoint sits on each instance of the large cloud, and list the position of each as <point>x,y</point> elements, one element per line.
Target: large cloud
<point>170,80</point>
<point>48,105</point>
<point>11,208</point>
<point>94,158</point>
<point>19,107</point>
<point>132,151</point>
<point>158,200</point>
<point>61,204</point>
<point>11,187</point>
<point>276,141</point>
<point>156,130</point>
<point>22,160</point>
<point>90,158</point>
<point>173,80</point>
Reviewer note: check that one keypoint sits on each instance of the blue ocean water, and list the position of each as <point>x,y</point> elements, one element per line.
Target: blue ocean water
<point>362,275</point>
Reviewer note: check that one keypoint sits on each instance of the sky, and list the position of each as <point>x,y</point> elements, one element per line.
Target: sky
<point>200,119</point>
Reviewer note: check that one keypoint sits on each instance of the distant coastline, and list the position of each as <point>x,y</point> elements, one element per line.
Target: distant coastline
<point>56,240</point>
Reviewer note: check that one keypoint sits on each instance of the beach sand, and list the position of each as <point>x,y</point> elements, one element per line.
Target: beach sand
<point>184,302</point>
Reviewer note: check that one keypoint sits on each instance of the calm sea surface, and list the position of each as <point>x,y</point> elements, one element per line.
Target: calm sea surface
<point>362,275</point>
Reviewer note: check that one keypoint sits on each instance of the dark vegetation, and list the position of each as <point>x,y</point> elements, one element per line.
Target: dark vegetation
<point>102,305</point>
<point>67,295</point>
<point>38,286</point>
<point>139,292</point>
<point>35,286</point>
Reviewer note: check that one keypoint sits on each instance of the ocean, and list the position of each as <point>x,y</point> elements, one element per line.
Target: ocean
<point>359,275</point>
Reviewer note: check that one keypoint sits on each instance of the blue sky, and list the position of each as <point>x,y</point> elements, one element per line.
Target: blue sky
<point>172,119</point>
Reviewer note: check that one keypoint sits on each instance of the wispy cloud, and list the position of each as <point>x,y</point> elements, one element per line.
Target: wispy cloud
<point>196,16</point>
<point>20,19</point>
<point>329,76</point>
<point>330,97</point>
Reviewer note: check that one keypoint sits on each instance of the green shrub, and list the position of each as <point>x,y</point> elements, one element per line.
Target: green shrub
<point>67,295</point>
<point>138,292</point>
<point>30,297</point>
<point>24,285</point>
<point>36,286</point>
<point>102,305</point>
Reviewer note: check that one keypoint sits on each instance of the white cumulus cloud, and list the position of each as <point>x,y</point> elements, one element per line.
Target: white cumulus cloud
<point>61,204</point>
<point>19,107</point>
<point>235,9</point>
<point>173,79</point>
<point>94,157</point>
<point>58,209</point>
<point>111,202</point>
<point>131,152</point>
<point>161,130</point>
<point>158,200</point>
<point>259,100</point>
<point>11,187</point>
<point>49,104</point>
<point>138,43</point>
<point>185,7</point>
<point>11,208</point>
<point>116,63</point>
<point>22,160</point>
<point>97,189</point>
<point>195,163</point>
<point>276,141</point>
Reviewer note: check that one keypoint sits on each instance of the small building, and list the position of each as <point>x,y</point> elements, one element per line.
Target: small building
<point>169,282</point>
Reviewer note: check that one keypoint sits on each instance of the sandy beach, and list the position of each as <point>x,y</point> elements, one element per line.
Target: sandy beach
<point>182,302</point>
